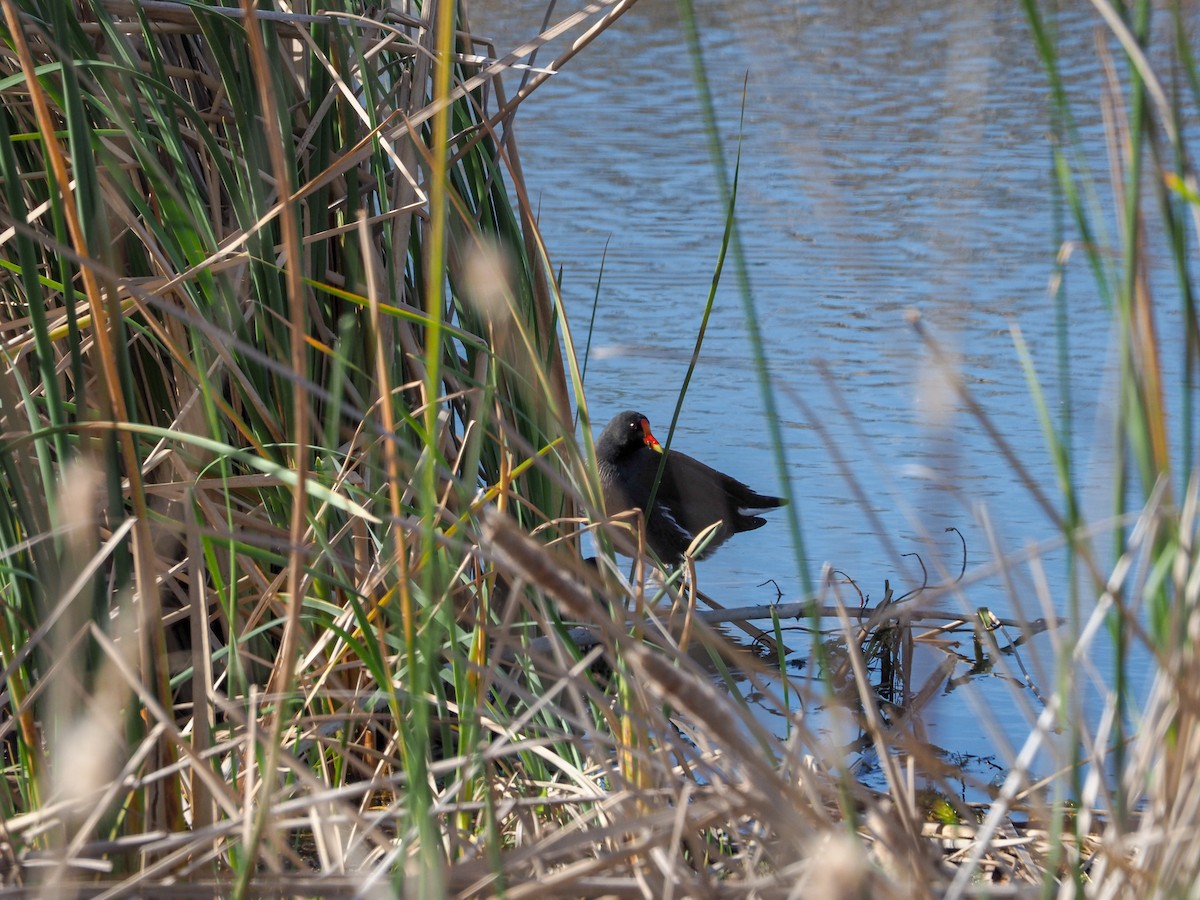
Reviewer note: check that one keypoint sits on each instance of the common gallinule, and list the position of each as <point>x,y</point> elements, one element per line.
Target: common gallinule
<point>690,497</point>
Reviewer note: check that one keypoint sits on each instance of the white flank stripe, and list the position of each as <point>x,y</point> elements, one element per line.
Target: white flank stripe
<point>666,514</point>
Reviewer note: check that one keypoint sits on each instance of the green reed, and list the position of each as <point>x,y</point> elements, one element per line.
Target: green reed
<point>234,314</point>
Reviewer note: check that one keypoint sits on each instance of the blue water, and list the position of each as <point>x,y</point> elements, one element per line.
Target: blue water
<point>894,157</point>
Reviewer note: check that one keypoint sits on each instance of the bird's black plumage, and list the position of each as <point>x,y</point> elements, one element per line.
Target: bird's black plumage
<point>690,497</point>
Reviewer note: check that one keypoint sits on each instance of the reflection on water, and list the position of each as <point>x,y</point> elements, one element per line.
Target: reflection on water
<point>894,156</point>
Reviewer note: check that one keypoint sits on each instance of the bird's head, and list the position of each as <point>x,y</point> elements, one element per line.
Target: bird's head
<point>626,433</point>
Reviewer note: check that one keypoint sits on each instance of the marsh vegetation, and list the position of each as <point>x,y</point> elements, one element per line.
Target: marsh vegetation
<point>298,468</point>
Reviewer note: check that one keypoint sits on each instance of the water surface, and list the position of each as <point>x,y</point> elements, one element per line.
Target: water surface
<point>894,157</point>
